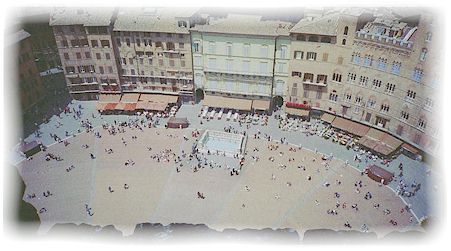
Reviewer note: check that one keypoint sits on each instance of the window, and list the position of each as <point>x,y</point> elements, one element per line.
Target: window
<point>110,69</point>
<point>411,94</point>
<point>405,115</point>
<point>70,69</point>
<point>171,63</point>
<point>326,40</point>
<point>345,32</point>
<point>118,41</point>
<point>196,46</point>
<point>78,55</point>
<point>376,83</point>
<point>295,74</point>
<point>98,56</point>
<point>130,60</point>
<point>64,43</point>
<point>322,79</point>
<point>94,43</point>
<point>363,81</point>
<point>182,63</point>
<point>385,108</point>
<point>132,72</point>
<point>246,50</point>
<point>211,47</point>
<point>308,77</point>
<point>311,55</point>
<point>390,88</point>
<point>281,67</point>
<point>355,58</point>
<point>150,61</point>
<point>123,61</point>
<point>88,54</point>
<point>181,45</point>
<point>368,61</point>
<point>107,56</point>
<point>264,51</point>
<point>300,37</point>
<point>396,67</point>
<point>66,56</point>
<point>182,24</point>
<point>340,60</point>
<point>358,100</point>
<point>423,54</point>
<point>127,41</point>
<point>160,62</point>
<point>158,44</point>
<point>138,42</point>
<point>325,57</point>
<point>333,96</point>
<point>417,74</point>
<point>348,97</point>
<point>298,55</point>
<point>422,123</point>
<point>336,77</point>
<point>343,42</point>
<point>371,103</point>
<point>170,46</point>
<point>229,49</point>
<point>313,38</point>
<point>382,63</point>
<point>351,77</point>
<point>283,52</point>
<point>101,70</point>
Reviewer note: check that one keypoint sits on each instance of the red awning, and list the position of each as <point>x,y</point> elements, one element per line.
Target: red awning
<point>110,106</point>
<point>130,107</point>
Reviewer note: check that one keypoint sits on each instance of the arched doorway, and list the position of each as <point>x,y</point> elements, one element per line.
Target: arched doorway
<point>278,101</point>
<point>199,95</point>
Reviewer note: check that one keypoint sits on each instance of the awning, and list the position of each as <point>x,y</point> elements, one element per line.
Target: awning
<point>378,174</point>
<point>170,99</point>
<point>229,103</point>
<point>109,98</point>
<point>120,106</point>
<point>350,126</point>
<point>130,107</point>
<point>110,106</point>
<point>101,106</point>
<point>260,104</point>
<point>410,148</point>
<point>130,97</point>
<point>328,118</point>
<point>297,112</point>
<point>151,106</point>
<point>380,142</point>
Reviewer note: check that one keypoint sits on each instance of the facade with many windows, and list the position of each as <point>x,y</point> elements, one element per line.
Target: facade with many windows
<point>83,38</point>
<point>154,50</point>
<point>374,71</point>
<point>241,56</point>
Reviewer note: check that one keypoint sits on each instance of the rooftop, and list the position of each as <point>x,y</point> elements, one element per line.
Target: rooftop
<point>81,16</point>
<point>153,19</point>
<point>246,24</point>
<point>325,25</point>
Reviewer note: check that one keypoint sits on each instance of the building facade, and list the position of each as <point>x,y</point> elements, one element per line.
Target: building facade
<point>369,68</point>
<point>241,57</point>
<point>154,50</point>
<point>83,38</point>
<point>30,89</point>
